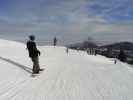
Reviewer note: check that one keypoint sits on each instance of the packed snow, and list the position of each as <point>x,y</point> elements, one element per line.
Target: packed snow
<point>72,76</point>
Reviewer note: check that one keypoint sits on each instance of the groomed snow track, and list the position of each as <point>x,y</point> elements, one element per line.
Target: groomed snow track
<point>72,76</point>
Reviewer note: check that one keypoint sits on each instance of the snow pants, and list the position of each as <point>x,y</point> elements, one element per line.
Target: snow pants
<point>36,66</point>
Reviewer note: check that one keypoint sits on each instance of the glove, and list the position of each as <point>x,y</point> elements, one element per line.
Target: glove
<point>39,52</point>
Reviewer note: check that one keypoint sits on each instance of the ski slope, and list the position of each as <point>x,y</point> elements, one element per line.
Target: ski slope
<point>72,76</point>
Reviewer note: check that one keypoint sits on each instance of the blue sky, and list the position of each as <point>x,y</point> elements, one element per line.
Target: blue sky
<point>69,20</point>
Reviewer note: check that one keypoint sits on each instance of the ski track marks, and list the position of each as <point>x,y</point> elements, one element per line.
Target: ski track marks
<point>72,76</point>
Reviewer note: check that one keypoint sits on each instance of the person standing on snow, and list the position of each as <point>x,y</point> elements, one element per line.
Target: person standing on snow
<point>34,54</point>
<point>55,41</point>
<point>67,50</point>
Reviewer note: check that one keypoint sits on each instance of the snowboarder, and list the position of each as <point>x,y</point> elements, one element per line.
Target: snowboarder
<point>55,41</point>
<point>33,54</point>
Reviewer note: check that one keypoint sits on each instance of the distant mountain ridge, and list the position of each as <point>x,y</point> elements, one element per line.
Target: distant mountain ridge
<point>83,45</point>
<point>116,46</point>
<point>120,45</point>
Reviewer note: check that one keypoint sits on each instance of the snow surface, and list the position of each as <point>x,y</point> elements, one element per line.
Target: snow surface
<point>72,76</point>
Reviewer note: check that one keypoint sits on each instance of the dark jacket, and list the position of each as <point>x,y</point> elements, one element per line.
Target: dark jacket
<point>33,51</point>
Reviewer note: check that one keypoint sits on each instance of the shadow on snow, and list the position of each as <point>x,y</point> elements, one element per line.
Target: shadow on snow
<point>25,68</point>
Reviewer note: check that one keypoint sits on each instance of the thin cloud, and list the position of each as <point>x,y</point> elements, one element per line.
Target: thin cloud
<point>73,19</point>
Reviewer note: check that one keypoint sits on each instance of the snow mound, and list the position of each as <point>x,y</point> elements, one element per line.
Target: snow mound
<point>72,76</point>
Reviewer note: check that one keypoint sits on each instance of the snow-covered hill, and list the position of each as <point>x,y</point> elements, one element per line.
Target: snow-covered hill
<point>72,76</point>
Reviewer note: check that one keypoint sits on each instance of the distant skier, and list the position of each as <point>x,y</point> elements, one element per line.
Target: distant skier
<point>91,51</point>
<point>67,50</point>
<point>88,51</point>
<point>33,54</point>
<point>96,51</point>
<point>55,41</point>
<point>115,61</point>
